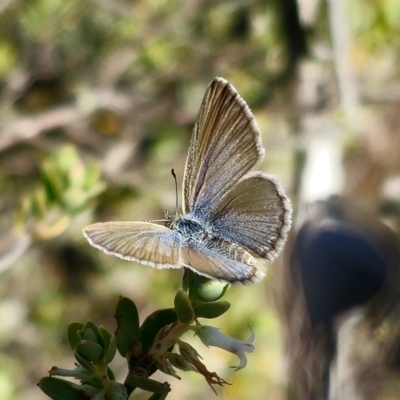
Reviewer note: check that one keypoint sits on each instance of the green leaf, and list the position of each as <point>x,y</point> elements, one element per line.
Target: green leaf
<point>211,310</point>
<point>90,351</point>
<point>152,325</point>
<point>60,389</point>
<point>39,203</point>
<point>82,361</point>
<point>128,329</point>
<point>65,159</point>
<point>110,374</point>
<point>183,307</point>
<point>92,176</point>
<point>72,334</point>
<point>106,337</point>
<point>112,349</point>
<point>52,180</point>
<point>91,326</point>
<point>90,336</point>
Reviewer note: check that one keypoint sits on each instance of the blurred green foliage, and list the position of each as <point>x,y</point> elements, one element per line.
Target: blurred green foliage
<point>66,188</point>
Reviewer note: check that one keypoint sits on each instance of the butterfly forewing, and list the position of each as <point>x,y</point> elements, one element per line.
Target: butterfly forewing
<point>255,214</point>
<point>225,145</point>
<point>144,242</point>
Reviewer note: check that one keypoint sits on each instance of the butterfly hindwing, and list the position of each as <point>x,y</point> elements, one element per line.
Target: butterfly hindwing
<point>222,262</point>
<point>255,214</point>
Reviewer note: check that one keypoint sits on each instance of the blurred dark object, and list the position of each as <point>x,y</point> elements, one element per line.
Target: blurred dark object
<point>45,85</point>
<point>107,122</point>
<point>295,42</point>
<point>343,261</point>
<point>339,299</point>
<point>74,266</point>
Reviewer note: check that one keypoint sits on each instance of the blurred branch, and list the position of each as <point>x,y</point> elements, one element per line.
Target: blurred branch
<point>341,38</point>
<point>29,127</point>
<point>4,4</point>
<point>12,246</point>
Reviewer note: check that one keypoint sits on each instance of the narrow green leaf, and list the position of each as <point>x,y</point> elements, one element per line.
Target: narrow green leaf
<point>60,389</point>
<point>112,349</point>
<point>110,374</point>
<point>128,329</point>
<point>72,334</point>
<point>83,362</point>
<point>106,337</point>
<point>183,307</point>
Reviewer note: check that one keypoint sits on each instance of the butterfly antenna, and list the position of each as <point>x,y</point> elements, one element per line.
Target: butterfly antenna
<point>176,192</point>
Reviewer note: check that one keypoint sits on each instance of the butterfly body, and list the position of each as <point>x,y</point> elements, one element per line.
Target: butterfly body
<point>195,234</point>
<point>188,226</point>
<point>233,217</point>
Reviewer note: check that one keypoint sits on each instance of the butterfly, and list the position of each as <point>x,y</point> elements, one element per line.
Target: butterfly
<point>233,219</point>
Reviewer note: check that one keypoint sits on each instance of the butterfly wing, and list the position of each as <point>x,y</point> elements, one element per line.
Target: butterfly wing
<point>220,261</point>
<point>143,242</point>
<point>255,214</point>
<point>225,145</point>
<point>160,247</point>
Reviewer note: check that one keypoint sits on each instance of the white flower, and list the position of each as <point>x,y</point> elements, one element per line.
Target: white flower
<point>211,336</point>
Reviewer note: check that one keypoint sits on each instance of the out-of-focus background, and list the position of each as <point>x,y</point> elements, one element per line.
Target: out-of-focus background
<point>97,104</point>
